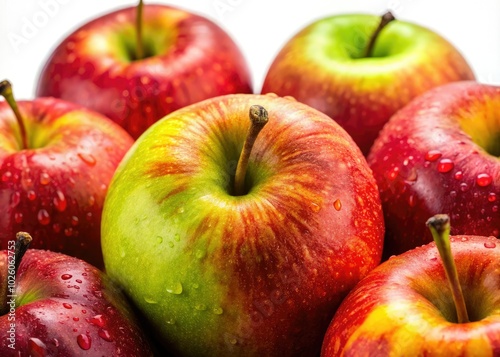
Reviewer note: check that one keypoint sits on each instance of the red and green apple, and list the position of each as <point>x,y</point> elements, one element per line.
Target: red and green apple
<point>52,304</point>
<point>135,65</point>
<point>56,161</point>
<point>416,304</point>
<point>249,251</point>
<point>440,154</point>
<point>359,69</point>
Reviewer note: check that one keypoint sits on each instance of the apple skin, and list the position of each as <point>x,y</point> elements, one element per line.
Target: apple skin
<point>190,59</point>
<point>251,275</point>
<point>59,299</point>
<point>55,189</point>
<point>404,306</point>
<point>456,123</point>
<point>323,66</point>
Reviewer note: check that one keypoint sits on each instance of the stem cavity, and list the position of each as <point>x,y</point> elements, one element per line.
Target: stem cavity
<point>258,119</point>
<point>384,21</point>
<point>6,92</point>
<point>439,226</point>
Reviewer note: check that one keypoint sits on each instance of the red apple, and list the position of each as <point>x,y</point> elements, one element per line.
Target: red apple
<point>360,74</point>
<point>440,154</point>
<point>56,305</point>
<point>185,58</point>
<point>411,306</point>
<point>249,249</point>
<point>56,161</point>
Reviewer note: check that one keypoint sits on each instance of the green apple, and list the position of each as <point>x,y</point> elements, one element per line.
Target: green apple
<point>228,259</point>
<point>360,74</point>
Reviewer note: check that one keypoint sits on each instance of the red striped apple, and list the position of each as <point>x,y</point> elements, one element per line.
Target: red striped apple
<point>360,70</point>
<point>440,154</point>
<point>416,304</point>
<point>52,304</point>
<point>248,252</point>
<point>136,65</point>
<point>56,161</point>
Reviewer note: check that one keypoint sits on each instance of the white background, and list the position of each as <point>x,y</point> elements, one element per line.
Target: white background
<point>259,27</point>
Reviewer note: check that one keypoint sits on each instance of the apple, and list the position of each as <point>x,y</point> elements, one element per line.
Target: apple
<point>248,252</point>
<point>416,304</point>
<point>56,161</point>
<point>137,65</point>
<point>440,154</point>
<point>56,305</point>
<point>360,74</point>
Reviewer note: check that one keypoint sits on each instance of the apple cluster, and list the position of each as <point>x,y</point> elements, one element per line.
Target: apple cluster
<point>169,209</point>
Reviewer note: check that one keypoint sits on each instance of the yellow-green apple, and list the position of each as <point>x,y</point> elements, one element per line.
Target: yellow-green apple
<point>136,65</point>
<point>440,154</point>
<point>416,304</point>
<point>52,304</point>
<point>56,161</point>
<point>359,69</point>
<point>244,256</point>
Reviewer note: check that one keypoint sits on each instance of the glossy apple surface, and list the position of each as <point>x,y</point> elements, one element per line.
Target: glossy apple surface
<point>440,154</point>
<point>404,307</point>
<point>324,66</point>
<point>66,307</point>
<point>188,58</point>
<point>256,274</point>
<point>55,188</point>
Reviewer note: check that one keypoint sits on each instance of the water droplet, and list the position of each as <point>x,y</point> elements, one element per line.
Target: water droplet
<point>31,195</point>
<point>433,259</point>
<point>200,307</point>
<point>36,347</point>
<point>104,334</point>
<point>453,194</point>
<point>490,245</point>
<point>84,341</point>
<point>337,204</point>
<point>59,201</point>
<point>171,244</point>
<point>87,158</point>
<point>200,254</point>
<point>492,197</point>
<point>159,239</point>
<point>68,232</point>
<point>67,306</point>
<point>433,155</point>
<point>66,276</point>
<point>464,187</point>
<point>218,310</point>
<point>180,210</point>
<point>458,175</point>
<point>175,288</point>
<point>464,239</point>
<point>7,175</point>
<point>393,173</point>
<point>314,207</point>
<point>79,281</point>
<point>483,180</point>
<point>494,208</point>
<point>97,320</point>
<point>91,200</point>
<point>177,238</point>
<point>195,286</point>
<point>412,175</point>
<point>76,319</point>
<point>445,165</point>
<point>43,217</point>
<point>15,199</point>
<point>150,300</point>
<point>170,321</point>
<point>44,178</point>
<point>18,217</point>
<point>74,220</point>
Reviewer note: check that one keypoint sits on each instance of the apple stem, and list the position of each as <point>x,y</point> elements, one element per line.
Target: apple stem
<point>22,243</point>
<point>439,226</point>
<point>384,21</point>
<point>258,118</point>
<point>6,92</point>
<point>138,23</point>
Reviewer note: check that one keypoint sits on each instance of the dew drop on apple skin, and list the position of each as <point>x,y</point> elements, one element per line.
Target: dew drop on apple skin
<point>66,276</point>
<point>44,178</point>
<point>337,204</point>
<point>43,217</point>
<point>490,245</point>
<point>492,197</point>
<point>105,335</point>
<point>6,176</point>
<point>150,300</point>
<point>36,347</point>
<point>200,307</point>
<point>445,165</point>
<point>87,158</point>
<point>218,310</point>
<point>15,198</point>
<point>175,288</point>
<point>483,180</point>
<point>59,201</point>
<point>84,341</point>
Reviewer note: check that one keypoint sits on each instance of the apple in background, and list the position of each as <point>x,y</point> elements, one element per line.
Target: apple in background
<point>56,161</point>
<point>184,59</point>
<point>440,154</point>
<point>245,256</point>
<point>360,74</point>
<point>57,305</point>
<point>408,306</point>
